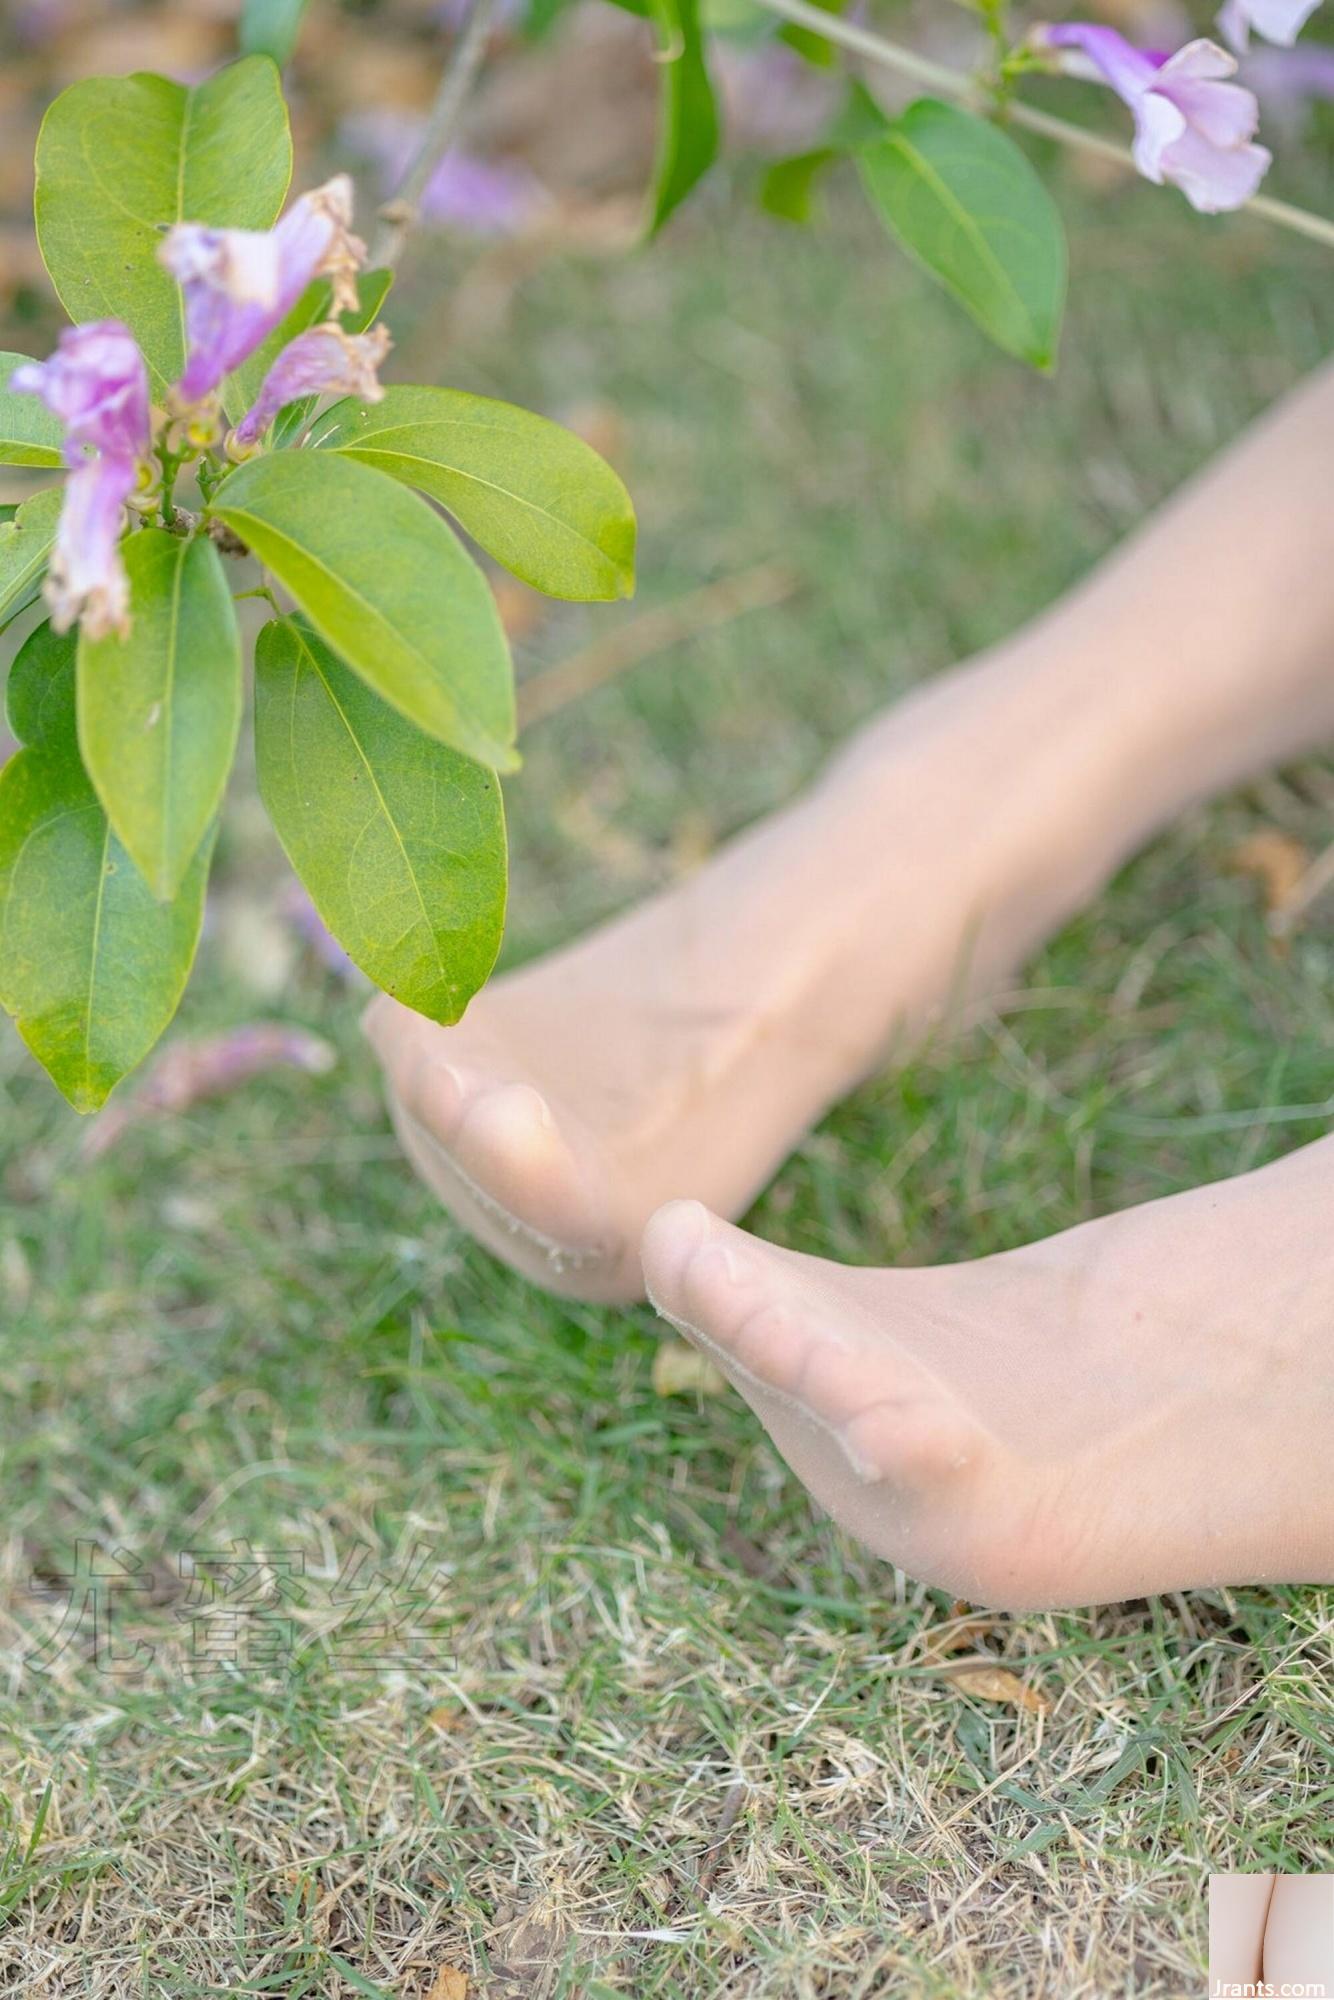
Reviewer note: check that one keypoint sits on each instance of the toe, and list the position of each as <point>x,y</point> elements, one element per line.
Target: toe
<point>800,1351</point>
<point>509,1145</point>
<point>432,1092</point>
<point>722,1287</point>
<point>523,1179</point>
<point>671,1236</point>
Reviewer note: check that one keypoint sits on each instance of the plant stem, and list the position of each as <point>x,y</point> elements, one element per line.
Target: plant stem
<point>170,467</point>
<point>401,210</point>
<point>957,83</point>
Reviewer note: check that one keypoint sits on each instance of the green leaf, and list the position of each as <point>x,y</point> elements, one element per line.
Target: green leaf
<point>400,841</point>
<point>29,434</point>
<point>39,699</point>
<point>788,187</point>
<point>311,309</point>
<point>963,199</point>
<point>91,967</point>
<point>688,129</point>
<point>25,546</point>
<point>858,120</point>
<point>119,159</point>
<point>534,496</point>
<point>385,581</point>
<point>270,28</point>
<point>159,711</point>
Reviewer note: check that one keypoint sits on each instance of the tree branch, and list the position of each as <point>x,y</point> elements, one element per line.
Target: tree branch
<point>957,83</point>
<point>401,211</point>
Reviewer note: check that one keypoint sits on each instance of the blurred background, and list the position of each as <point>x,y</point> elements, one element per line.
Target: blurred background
<point>229,1314</point>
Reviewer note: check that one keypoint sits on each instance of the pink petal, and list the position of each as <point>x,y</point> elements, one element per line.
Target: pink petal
<point>1200,61</point>
<point>1278,21</point>
<point>1215,179</point>
<point>1234,24</point>
<point>86,579</point>
<point>1158,126</point>
<point>97,384</point>
<point>1127,69</point>
<point>240,283</point>
<point>324,361</point>
<point>1223,113</point>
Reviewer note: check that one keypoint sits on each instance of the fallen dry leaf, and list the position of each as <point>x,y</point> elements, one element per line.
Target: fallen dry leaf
<point>529,1955</point>
<point>992,1683</point>
<point>1277,862</point>
<point>681,1370</point>
<point>449,1984</point>
<point>958,1638</point>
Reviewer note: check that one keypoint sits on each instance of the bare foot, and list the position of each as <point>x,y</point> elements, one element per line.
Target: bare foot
<point>1140,1404</point>
<point>684,1048</point>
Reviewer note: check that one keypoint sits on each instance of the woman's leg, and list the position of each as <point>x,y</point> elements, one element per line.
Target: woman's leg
<point>1238,1907</point>
<point>1140,1404</point>
<point>1299,1936</point>
<point>683,1048</point>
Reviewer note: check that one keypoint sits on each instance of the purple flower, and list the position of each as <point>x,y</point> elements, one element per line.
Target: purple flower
<point>1277,20</point>
<point>325,361</point>
<point>96,383</point>
<point>86,579</point>
<point>483,197</point>
<point>466,192</point>
<point>1191,126</point>
<point>240,283</point>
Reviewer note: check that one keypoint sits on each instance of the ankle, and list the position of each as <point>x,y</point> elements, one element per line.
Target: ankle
<point>1022,767</point>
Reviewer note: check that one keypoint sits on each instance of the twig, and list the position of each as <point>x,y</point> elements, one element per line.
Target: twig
<point>400,212</point>
<point>737,1794</point>
<point>652,632</point>
<point>957,83</point>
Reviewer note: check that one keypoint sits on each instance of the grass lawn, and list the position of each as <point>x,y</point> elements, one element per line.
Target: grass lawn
<point>668,1733</point>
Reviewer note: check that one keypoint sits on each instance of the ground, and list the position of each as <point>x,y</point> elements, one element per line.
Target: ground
<point>670,1734</point>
